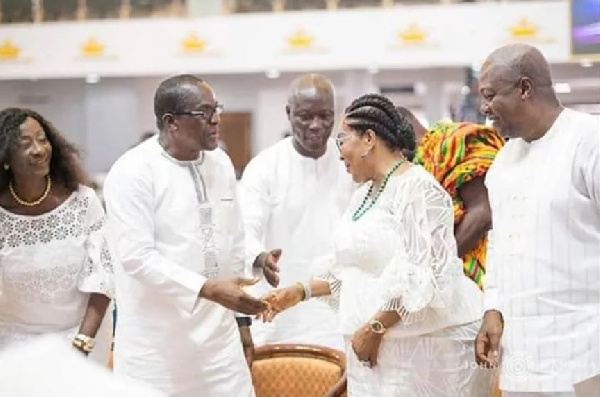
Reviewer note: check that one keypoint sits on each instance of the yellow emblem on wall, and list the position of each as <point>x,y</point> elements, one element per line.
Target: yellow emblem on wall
<point>412,35</point>
<point>524,29</point>
<point>300,40</point>
<point>8,51</point>
<point>193,44</point>
<point>92,48</point>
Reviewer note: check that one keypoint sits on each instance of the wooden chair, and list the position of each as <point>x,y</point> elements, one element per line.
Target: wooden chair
<point>297,370</point>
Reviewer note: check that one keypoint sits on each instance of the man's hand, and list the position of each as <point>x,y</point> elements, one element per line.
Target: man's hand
<point>247,344</point>
<point>229,293</point>
<point>487,343</point>
<point>280,300</point>
<point>267,261</point>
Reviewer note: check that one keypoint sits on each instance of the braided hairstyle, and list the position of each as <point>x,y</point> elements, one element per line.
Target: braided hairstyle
<point>377,113</point>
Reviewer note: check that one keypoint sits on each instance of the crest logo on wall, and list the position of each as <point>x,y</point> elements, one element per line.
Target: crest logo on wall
<point>10,52</point>
<point>94,49</point>
<point>412,37</point>
<point>301,41</point>
<point>194,45</point>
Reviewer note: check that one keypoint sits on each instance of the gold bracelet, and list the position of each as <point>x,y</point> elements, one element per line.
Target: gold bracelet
<point>83,342</point>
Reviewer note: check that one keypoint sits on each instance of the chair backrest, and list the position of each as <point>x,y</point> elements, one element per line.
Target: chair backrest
<point>296,370</point>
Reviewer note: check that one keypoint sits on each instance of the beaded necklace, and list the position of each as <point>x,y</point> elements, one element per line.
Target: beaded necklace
<point>360,211</point>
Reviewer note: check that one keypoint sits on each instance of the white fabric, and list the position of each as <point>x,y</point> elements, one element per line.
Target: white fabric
<point>293,202</point>
<point>49,265</point>
<point>401,254</point>
<point>544,266</point>
<point>439,364</point>
<point>47,367</point>
<point>534,394</point>
<point>176,224</point>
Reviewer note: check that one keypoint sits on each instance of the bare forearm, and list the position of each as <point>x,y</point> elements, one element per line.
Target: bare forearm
<point>473,227</point>
<point>319,288</point>
<point>477,219</point>
<point>94,314</point>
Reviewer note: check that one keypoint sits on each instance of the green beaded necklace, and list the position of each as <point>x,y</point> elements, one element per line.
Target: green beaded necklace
<point>360,211</point>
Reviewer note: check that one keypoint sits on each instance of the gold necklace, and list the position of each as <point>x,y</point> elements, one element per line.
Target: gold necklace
<point>31,203</point>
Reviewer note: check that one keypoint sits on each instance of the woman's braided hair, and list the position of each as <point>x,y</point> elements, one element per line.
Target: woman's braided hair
<point>377,113</point>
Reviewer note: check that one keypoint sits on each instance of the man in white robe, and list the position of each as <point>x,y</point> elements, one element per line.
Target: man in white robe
<point>173,204</point>
<point>542,292</point>
<point>293,194</point>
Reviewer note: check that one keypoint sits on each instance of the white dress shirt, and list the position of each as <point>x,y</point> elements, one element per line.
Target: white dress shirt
<point>177,224</point>
<point>544,265</point>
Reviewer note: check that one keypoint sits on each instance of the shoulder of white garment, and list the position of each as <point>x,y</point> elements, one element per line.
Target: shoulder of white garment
<point>139,155</point>
<point>135,164</point>
<point>416,185</point>
<point>500,160</point>
<point>265,159</point>
<point>586,125</point>
<point>86,191</point>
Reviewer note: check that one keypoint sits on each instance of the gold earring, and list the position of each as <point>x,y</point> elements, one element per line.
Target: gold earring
<point>6,167</point>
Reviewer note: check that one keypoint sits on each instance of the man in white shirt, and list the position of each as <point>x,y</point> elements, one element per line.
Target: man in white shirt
<point>542,291</point>
<point>173,204</point>
<point>294,193</point>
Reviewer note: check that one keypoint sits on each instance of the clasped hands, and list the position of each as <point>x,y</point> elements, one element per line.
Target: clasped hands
<point>365,341</point>
<point>279,300</point>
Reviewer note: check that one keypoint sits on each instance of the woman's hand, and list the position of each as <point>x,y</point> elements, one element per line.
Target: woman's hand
<point>280,300</point>
<point>365,343</point>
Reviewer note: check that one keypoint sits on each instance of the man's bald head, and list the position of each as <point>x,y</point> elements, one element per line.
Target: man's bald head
<point>311,85</point>
<point>514,61</point>
<point>516,88</point>
<point>310,109</point>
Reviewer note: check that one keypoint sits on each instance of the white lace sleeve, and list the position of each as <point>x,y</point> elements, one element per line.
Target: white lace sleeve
<point>97,274</point>
<point>421,273</point>
<point>322,271</point>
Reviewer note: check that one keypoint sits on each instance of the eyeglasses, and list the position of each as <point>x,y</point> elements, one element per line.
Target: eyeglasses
<point>207,113</point>
<point>340,139</point>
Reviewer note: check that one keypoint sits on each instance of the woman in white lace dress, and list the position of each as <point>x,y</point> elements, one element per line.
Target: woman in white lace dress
<point>55,260</point>
<point>408,314</point>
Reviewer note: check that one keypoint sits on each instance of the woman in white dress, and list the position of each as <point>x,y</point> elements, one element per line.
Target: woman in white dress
<point>408,314</point>
<point>55,258</point>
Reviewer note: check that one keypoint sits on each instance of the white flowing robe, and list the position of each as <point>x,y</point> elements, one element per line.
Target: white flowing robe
<point>544,266</point>
<point>293,202</point>
<point>177,224</point>
<point>401,255</point>
<point>49,266</point>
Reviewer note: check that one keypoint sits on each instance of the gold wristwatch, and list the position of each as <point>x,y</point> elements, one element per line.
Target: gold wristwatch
<point>377,327</point>
<point>83,342</point>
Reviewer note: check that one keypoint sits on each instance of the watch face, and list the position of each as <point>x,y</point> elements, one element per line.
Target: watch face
<point>377,326</point>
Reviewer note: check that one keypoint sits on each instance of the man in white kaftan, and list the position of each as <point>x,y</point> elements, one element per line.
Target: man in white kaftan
<point>544,266</point>
<point>173,203</point>
<point>293,195</point>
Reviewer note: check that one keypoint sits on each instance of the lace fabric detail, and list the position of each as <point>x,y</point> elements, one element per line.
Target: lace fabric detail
<point>42,285</point>
<point>66,221</point>
<point>52,258</point>
<point>335,287</point>
<point>404,247</point>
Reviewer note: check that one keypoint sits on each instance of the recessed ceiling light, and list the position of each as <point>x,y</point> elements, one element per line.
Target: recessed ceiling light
<point>92,78</point>
<point>273,73</point>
